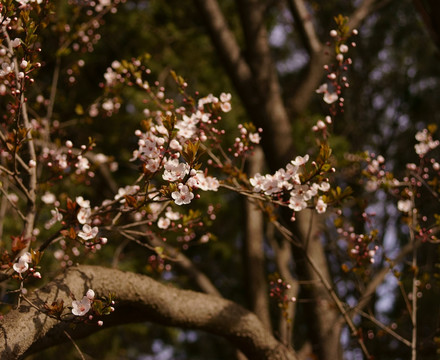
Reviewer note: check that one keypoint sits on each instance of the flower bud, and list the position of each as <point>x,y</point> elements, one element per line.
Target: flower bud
<point>90,294</point>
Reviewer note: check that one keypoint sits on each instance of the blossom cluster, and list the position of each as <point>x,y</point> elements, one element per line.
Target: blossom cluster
<point>171,144</point>
<point>336,73</point>
<point>82,307</point>
<point>290,180</point>
<point>22,265</point>
<point>248,138</point>
<point>92,306</point>
<point>425,142</point>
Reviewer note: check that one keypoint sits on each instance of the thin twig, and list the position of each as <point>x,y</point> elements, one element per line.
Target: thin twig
<point>74,344</point>
<point>414,282</point>
<point>384,327</point>
<point>12,204</point>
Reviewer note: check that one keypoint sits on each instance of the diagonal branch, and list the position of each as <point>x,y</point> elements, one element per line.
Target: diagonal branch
<point>226,44</point>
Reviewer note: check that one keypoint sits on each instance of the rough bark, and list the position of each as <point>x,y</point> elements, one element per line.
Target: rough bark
<point>139,298</point>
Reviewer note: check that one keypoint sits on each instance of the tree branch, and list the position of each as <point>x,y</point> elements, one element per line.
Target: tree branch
<point>256,80</point>
<point>318,59</point>
<point>305,26</point>
<point>139,299</point>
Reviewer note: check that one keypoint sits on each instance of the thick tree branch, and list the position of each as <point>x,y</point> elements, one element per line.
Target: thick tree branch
<point>139,298</point>
<point>303,95</point>
<point>226,44</point>
<point>255,79</point>
<point>305,26</point>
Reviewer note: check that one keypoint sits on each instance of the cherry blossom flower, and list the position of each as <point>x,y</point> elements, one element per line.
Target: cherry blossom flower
<point>255,138</point>
<point>88,232</point>
<point>84,215</point>
<point>82,164</point>
<point>22,264</point>
<point>300,160</point>
<point>163,223</point>
<point>175,171</point>
<point>172,215</point>
<point>48,198</point>
<point>321,206</point>
<point>297,203</point>
<point>128,190</point>
<point>404,206</point>
<point>183,196</point>
<point>330,98</point>
<point>81,202</point>
<point>426,143</point>
<point>80,308</point>
<point>56,216</point>
<point>257,182</point>
<point>343,48</point>
<point>205,183</point>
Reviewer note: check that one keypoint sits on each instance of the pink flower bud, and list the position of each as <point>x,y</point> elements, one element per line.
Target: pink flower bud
<point>90,294</point>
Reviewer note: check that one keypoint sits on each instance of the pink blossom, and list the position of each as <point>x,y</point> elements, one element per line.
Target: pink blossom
<point>172,215</point>
<point>48,198</point>
<point>257,182</point>
<point>330,98</point>
<point>163,223</point>
<point>297,203</point>
<point>321,206</point>
<point>300,160</point>
<point>88,232</point>
<point>183,196</point>
<point>80,308</point>
<point>81,202</point>
<point>175,171</point>
<point>84,215</point>
<point>82,164</point>
<point>23,263</point>
<point>254,138</point>
<point>404,206</point>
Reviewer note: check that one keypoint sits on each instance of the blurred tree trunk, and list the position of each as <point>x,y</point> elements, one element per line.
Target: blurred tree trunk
<point>255,78</point>
<point>253,250</point>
